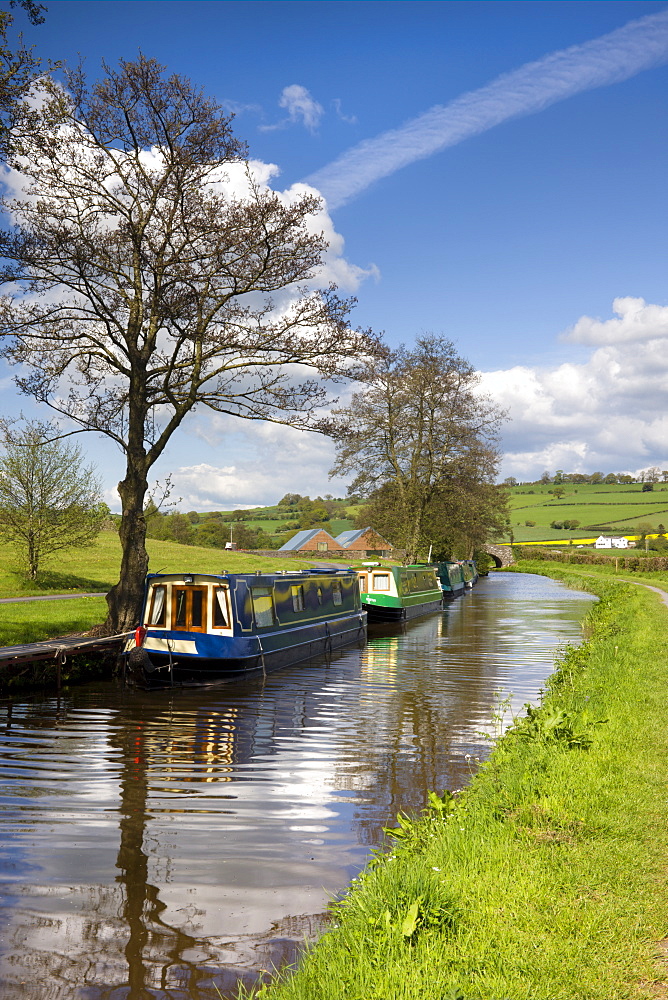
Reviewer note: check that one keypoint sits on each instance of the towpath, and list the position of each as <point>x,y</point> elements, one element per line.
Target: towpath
<point>48,597</point>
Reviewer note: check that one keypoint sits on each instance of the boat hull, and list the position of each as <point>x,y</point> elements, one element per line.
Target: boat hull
<point>216,659</point>
<point>400,612</point>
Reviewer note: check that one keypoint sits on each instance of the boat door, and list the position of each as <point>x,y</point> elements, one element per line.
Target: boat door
<point>189,608</point>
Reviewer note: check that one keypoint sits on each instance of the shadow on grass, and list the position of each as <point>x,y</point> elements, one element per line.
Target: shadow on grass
<point>49,581</point>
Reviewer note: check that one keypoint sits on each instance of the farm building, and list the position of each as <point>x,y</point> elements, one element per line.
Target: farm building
<point>312,540</point>
<point>611,542</point>
<point>365,541</point>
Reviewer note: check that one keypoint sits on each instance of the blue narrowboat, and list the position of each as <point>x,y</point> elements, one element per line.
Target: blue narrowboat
<point>451,576</point>
<point>198,628</point>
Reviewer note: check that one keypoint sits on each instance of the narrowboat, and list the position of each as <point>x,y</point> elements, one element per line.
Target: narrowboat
<point>451,577</point>
<point>470,572</point>
<point>198,628</point>
<point>399,593</point>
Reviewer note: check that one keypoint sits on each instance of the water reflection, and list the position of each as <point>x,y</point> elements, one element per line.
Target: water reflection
<point>164,845</point>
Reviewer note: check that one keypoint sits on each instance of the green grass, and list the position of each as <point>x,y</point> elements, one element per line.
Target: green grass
<point>548,880</point>
<point>602,571</point>
<point>30,622</point>
<point>617,506</point>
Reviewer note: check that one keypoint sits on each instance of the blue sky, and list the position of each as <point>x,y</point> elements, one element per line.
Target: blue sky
<point>495,172</point>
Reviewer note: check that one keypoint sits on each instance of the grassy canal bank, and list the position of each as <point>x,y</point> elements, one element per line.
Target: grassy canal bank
<point>548,876</point>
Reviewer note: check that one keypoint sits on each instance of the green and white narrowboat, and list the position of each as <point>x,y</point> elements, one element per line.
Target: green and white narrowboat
<point>399,593</point>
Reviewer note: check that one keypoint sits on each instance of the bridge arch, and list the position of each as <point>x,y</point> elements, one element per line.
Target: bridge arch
<point>501,554</point>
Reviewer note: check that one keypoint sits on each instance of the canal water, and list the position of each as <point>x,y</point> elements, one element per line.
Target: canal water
<point>165,845</point>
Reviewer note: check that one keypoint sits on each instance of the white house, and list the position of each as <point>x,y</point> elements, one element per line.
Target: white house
<point>611,542</point>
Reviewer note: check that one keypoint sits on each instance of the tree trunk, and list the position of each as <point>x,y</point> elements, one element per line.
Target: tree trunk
<point>33,556</point>
<point>125,598</point>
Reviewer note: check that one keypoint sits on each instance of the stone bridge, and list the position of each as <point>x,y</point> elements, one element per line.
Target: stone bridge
<point>501,554</point>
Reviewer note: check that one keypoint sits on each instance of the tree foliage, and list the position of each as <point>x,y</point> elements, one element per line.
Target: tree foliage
<point>155,275</point>
<point>20,71</point>
<point>48,499</point>
<point>422,442</point>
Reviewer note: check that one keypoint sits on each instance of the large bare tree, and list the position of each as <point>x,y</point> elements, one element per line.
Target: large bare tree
<point>422,442</point>
<point>145,287</point>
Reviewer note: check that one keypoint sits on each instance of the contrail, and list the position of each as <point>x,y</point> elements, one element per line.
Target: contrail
<point>609,59</point>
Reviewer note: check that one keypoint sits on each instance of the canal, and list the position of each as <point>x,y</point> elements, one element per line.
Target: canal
<point>166,845</point>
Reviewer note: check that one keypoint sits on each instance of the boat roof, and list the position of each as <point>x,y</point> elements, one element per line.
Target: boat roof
<point>278,574</point>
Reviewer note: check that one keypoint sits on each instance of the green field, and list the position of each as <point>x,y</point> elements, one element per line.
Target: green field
<point>615,508</point>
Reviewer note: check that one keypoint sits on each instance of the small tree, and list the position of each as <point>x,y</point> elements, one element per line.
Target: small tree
<point>48,499</point>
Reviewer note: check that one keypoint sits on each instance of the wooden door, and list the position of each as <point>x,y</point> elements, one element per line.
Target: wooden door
<point>189,609</point>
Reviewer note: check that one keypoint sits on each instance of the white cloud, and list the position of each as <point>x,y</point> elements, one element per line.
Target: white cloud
<point>608,413</point>
<point>263,461</point>
<point>637,322</point>
<point>234,180</point>
<point>301,106</point>
<point>612,58</point>
<point>302,109</point>
<point>350,119</point>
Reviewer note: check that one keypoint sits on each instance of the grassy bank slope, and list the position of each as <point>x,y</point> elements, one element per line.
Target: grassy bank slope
<point>96,568</point>
<point>548,879</point>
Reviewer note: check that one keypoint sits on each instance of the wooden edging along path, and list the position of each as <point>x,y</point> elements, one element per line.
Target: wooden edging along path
<point>57,649</point>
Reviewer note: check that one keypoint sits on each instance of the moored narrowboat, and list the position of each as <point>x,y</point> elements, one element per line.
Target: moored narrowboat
<point>451,577</point>
<point>399,593</point>
<point>469,572</point>
<point>199,628</point>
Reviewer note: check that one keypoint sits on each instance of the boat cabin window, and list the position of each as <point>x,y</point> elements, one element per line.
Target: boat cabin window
<point>263,606</point>
<point>189,608</point>
<point>158,610</point>
<point>297,597</point>
<point>381,581</point>
<point>220,611</point>
<point>363,582</point>
<point>319,593</point>
<point>337,596</point>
